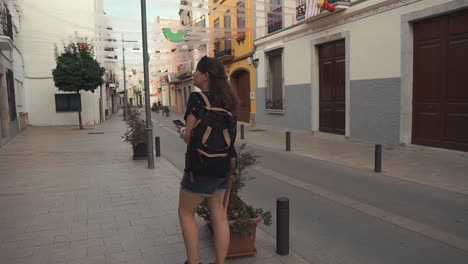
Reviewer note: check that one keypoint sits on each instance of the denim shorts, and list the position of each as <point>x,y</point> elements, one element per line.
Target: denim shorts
<point>204,186</point>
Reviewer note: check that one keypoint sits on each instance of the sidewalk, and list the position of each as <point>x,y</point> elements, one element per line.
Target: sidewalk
<point>434,167</point>
<point>438,168</point>
<point>76,196</point>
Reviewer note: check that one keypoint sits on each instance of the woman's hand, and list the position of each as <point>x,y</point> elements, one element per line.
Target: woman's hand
<point>181,131</point>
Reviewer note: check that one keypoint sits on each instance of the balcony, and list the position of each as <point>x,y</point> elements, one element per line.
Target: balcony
<point>6,36</point>
<point>338,1</point>
<point>274,104</point>
<point>301,7</point>
<point>275,20</point>
<point>222,54</point>
<point>225,54</point>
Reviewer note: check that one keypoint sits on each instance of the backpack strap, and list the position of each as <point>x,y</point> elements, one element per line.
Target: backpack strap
<point>208,105</point>
<point>207,102</point>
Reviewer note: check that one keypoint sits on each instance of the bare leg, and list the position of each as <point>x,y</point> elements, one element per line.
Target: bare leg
<point>188,204</point>
<point>220,226</point>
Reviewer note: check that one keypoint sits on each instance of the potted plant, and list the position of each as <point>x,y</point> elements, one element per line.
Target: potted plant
<point>243,218</point>
<point>155,108</point>
<point>136,134</point>
<point>166,110</point>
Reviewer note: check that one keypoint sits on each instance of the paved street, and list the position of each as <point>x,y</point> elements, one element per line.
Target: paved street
<point>341,214</point>
<point>356,111</point>
<point>71,196</point>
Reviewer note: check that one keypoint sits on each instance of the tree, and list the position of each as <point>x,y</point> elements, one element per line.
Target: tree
<point>77,70</point>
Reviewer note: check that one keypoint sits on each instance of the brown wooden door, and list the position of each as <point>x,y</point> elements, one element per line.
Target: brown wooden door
<point>179,106</point>
<point>243,90</point>
<point>277,80</point>
<point>332,87</point>
<point>440,86</point>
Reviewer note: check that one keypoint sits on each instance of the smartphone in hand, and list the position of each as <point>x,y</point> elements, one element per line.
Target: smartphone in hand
<point>178,123</point>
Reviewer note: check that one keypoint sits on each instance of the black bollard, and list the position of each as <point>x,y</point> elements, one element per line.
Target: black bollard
<point>242,131</point>
<point>158,147</point>
<point>378,158</point>
<point>288,141</point>
<point>282,226</point>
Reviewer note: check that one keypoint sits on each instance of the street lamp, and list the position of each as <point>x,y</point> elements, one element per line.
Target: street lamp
<point>124,76</point>
<point>149,125</point>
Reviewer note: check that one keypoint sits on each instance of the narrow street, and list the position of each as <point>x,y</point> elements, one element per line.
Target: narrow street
<point>344,215</point>
<point>357,112</point>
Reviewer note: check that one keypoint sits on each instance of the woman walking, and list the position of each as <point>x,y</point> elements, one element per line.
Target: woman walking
<point>210,77</point>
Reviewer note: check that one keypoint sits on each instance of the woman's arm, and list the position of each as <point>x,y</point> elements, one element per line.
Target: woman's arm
<point>189,124</point>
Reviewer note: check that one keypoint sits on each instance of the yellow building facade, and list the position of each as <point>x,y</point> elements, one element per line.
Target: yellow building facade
<point>231,22</point>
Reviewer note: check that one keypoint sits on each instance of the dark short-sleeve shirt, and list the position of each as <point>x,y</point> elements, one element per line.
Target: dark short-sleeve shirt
<point>195,103</point>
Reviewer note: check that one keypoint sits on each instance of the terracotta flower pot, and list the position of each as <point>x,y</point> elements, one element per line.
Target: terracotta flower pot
<point>241,245</point>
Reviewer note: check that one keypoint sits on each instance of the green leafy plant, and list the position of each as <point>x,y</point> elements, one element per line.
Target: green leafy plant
<point>240,215</point>
<point>136,129</point>
<point>166,110</point>
<point>77,70</point>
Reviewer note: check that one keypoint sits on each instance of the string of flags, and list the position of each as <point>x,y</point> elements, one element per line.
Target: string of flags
<point>305,9</point>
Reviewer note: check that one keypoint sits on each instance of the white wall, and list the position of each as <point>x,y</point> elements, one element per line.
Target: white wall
<point>165,95</point>
<point>375,50</point>
<point>19,81</point>
<point>375,42</point>
<point>5,62</point>
<point>45,23</point>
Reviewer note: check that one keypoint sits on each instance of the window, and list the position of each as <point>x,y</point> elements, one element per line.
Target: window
<point>201,23</point>
<point>217,44</point>
<point>275,16</point>
<point>11,95</point>
<point>241,18</point>
<point>227,30</point>
<point>67,102</point>
<point>274,98</point>
<point>7,22</point>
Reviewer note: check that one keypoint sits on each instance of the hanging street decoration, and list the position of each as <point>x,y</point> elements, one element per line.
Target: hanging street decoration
<point>325,5</point>
<point>174,37</point>
<point>310,8</point>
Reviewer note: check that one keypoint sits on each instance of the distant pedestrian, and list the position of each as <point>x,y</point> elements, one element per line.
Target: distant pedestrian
<point>210,77</point>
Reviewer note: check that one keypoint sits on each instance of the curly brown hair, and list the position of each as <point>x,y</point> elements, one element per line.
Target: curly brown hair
<point>223,94</point>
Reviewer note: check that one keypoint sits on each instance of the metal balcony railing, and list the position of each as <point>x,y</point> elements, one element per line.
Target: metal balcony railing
<point>301,7</point>
<point>274,104</point>
<point>223,53</point>
<point>275,20</point>
<point>7,23</point>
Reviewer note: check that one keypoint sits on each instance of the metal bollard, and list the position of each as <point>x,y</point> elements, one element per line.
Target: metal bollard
<point>378,158</point>
<point>282,226</point>
<point>158,147</point>
<point>242,131</point>
<point>288,141</point>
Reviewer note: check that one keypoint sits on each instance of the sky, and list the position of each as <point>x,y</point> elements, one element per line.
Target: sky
<point>125,17</point>
<point>126,14</point>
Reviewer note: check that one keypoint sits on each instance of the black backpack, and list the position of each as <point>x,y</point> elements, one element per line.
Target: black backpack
<point>211,151</point>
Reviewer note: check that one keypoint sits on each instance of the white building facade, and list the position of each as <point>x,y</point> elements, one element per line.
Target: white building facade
<point>380,71</point>
<point>53,22</point>
<point>13,110</point>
